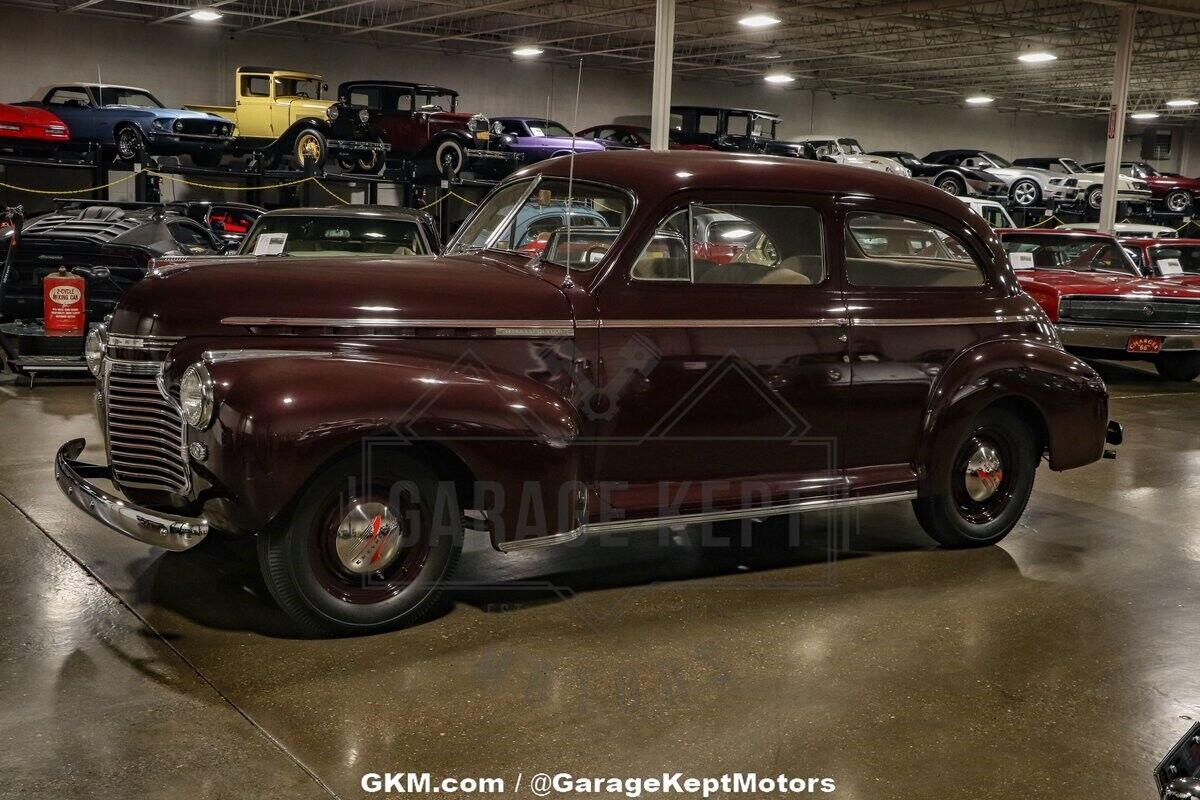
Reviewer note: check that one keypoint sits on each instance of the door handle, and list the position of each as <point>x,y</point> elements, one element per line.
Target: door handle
<point>843,338</point>
<point>835,375</point>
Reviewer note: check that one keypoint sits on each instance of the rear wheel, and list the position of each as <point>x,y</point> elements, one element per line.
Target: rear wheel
<point>450,156</point>
<point>364,551</point>
<point>952,185</point>
<point>1178,366</point>
<point>982,495</point>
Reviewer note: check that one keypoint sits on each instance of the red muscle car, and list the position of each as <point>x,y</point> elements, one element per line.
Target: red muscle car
<point>871,345</point>
<point>1177,260</point>
<point>631,136</point>
<point>29,128</point>
<point>1103,305</point>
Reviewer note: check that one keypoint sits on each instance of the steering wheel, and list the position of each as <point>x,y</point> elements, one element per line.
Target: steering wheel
<point>303,95</point>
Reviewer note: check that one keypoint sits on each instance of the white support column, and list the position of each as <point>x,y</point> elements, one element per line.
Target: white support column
<point>1116,115</point>
<point>664,51</point>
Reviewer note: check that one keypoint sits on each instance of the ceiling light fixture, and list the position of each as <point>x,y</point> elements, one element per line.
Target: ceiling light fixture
<point>206,15</point>
<point>980,100</point>
<point>527,51</point>
<point>1144,115</point>
<point>758,21</point>
<point>1037,57</point>
<point>778,77</point>
<point>1183,103</point>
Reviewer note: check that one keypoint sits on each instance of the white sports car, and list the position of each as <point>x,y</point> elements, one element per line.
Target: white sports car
<point>844,150</point>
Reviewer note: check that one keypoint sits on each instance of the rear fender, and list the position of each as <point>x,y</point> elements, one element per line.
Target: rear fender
<point>282,416</point>
<point>1059,395</point>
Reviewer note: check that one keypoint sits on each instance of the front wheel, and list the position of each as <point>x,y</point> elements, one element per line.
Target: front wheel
<point>450,156</point>
<point>978,501</point>
<point>1026,193</point>
<point>364,550</point>
<point>1095,198</point>
<point>1178,366</point>
<point>311,145</point>
<point>129,143</point>
<point>1178,202</point>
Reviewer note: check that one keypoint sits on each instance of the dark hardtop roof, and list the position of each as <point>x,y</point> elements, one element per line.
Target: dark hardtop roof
<point>366,211</point>
<point>420,88</point>
<point>276,69</point>
<point>94,224</point>
<point>654,176</point>
<point>716,109</point>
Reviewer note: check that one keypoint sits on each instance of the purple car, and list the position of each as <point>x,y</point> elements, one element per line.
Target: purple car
<point>538,138</point>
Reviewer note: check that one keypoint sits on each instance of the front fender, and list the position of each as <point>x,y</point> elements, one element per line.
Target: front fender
<point>303,124</point>
<point>281,417</point>
<point>1067,396</point>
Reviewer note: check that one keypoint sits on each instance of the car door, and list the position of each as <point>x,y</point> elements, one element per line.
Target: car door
<point>254,106</point>
<point>73,105</point>
<point>917,294</point>
<point>721,378</point>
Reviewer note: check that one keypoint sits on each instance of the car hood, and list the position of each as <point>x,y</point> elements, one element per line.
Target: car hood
<point>564,142</point>
<point>1016,172</point>
<point>29,115</point>
<point>1171,181</point>
<point>192,297</point>
<point>1064,282</point>
<point>174,113</point>
<point>879,163</point>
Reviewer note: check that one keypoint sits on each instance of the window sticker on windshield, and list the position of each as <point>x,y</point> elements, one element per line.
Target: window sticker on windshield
<point>270,244</point>
<point>1021,260</point>
<point>536,131</point>
<point>1169,266</point>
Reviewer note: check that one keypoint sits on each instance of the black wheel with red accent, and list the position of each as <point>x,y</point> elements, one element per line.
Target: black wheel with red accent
<point>979,497</point>
<point>368,547</point>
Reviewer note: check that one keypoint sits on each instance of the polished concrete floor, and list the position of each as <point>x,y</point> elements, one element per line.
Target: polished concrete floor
<point>1059,664</point>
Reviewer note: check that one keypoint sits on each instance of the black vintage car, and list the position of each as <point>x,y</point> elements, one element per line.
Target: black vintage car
<point>109,245</point>
<point>957,180</point>
<point>741,129</point>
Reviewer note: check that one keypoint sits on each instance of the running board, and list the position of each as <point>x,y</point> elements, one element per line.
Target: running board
<point>699,518</point>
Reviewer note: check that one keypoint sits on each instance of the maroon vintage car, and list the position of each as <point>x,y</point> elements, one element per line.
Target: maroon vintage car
<point>423,124</point>
<point>1103,305</point>
<point>868,343</point>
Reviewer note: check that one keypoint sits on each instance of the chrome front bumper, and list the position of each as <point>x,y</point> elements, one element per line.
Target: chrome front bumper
<point>152,527</point>
<point>1103,337</point>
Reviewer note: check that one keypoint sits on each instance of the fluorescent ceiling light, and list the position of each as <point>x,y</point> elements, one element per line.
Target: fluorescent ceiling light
<point>1144,115</point>
<point>980,100</point>
<point>528,51</point>
<point>206,15</point>
<point>1037,57</point>
<point>758,21</point>
<point>778,77</point>
<point>1182,103</point>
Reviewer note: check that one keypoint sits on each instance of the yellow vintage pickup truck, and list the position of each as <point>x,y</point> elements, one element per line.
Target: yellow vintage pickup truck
<point>280,113</point>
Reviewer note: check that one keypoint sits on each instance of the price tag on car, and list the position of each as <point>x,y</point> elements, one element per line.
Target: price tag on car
<point>1143,344</point>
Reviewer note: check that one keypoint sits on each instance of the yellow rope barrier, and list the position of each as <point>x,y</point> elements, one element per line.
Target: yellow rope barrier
<point>198,185</point>
<point>443,198</point>
<point>59,192</point>
<point>331,193</point>
<point>1051,218</point>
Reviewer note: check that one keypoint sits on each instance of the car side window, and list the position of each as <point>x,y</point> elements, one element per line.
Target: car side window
<point>514,128</point>
<point>256,86</point>
<point>736,244</point>
<point>68,96</point>
<point>895,251</point>
<point>191,237</point>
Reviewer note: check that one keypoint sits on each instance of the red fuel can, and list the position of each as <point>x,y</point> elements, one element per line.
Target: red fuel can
<point>62,300</point>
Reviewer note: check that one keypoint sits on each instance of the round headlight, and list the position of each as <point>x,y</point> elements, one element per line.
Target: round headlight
<point>156,124</point>
<point>93,350</point>
<point>477,123</point>
<point>332,112</point>
<point>196,396</point>
<point>178,125</point>
<point>364,116</point>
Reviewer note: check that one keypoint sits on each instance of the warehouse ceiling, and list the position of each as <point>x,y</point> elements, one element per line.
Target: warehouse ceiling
<point>936,51</point>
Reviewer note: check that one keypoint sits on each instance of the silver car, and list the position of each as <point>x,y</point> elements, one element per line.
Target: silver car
<point>1090,182</point>
<point>1027,186</point>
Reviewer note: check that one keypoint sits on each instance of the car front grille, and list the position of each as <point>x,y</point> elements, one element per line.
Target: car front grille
<point>1140,312</point>
<point>199,127</point>
<point>146,443</point>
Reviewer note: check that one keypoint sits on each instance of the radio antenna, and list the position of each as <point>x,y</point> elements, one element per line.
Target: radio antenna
<point>99,87</point>
<point>571,170</point>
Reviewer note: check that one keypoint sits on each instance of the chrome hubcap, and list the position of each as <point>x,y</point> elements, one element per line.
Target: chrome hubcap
<point>368,538</point>
<point>1096,199</point>
<point>1177,202</point>
<point>984,473</point>
<point>950,187</point>
<point>1024,194</point>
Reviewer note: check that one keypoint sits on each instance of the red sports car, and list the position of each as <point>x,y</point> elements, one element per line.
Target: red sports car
<point>631,136</point>
<point>21,126</point>
<point>1102,304</point>
<point>1177,260</point>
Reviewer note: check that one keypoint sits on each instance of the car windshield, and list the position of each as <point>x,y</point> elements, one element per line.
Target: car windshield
<point>116,96</point>
<point>297,87</point>
<point>504,219</point>
<point>1176,259</point>
<point>824,147</point>
<point>547,127</point>
<point>1002,163</point>
<point>1067,253</point>
<point>317,235</point>
<point>1071,165</point>
<point>851,147</point>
